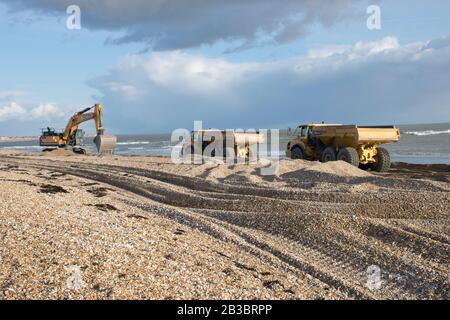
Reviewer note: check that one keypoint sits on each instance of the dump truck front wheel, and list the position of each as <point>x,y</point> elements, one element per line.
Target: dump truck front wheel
<point>383,160</point>
<point>297,153</point>
<point>328,155</point>
<point>349,155</point>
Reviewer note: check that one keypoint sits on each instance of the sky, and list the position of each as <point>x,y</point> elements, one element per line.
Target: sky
<point>158,65</point>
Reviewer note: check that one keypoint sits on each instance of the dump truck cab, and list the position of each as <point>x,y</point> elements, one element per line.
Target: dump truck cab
<point>306,139</point>
<point>358,145</point>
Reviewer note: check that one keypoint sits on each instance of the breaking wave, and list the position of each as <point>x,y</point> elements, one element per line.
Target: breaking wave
<point>427,132</point>
<point>21,147</point>
<point>133,142</point>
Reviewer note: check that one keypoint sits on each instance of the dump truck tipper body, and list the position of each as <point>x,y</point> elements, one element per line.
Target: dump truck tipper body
<point>358,145</point>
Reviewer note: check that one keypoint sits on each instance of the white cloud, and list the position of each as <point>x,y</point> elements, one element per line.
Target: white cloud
<point>12,111</point>
<point>359,50</point>
<point>388,43</point>
<point>328,51</point>
<point>44,111</point>
<point>127,91</point>
<point>197,74</point>
<point>375,82</point>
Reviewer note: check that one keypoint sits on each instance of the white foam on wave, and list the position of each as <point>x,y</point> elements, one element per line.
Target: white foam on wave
<point>125,143</point>
<point>21,147</point>
<point>427,132</point>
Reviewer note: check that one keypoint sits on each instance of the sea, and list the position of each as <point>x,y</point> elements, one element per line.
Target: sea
<point>419,143</point>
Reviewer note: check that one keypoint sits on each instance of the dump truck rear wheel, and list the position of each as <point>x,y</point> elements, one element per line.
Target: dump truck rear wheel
<point>328,155</point>
<point>364,166</point>
<point>383,159</point>
<point>349,155</point>
<point>297,153</point>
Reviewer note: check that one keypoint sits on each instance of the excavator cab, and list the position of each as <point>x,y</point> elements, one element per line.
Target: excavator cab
<point>48,132</point>
<point>50,138</point>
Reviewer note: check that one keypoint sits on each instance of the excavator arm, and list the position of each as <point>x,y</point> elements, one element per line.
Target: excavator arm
<point>83,116</point>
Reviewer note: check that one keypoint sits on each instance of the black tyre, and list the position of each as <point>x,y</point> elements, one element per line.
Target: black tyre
<point>349,155</point>
<point>383,159</point>
<point>329,154</point>
<point>297,153</point>
<point>364,166</point>
<point>79,151</point>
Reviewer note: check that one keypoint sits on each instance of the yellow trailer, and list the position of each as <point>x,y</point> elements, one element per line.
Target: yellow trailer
<point>357,145</point>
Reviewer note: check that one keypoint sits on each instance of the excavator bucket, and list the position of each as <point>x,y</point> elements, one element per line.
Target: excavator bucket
<point>105,144</point>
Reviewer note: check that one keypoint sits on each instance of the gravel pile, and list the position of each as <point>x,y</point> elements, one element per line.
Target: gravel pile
<point>140,227</point>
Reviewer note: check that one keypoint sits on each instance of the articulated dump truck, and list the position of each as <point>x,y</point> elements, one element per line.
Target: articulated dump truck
<point>357,145</point>
<point>240,142</point>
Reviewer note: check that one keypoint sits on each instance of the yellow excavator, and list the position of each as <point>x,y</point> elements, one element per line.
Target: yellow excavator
<point>70,138</point>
